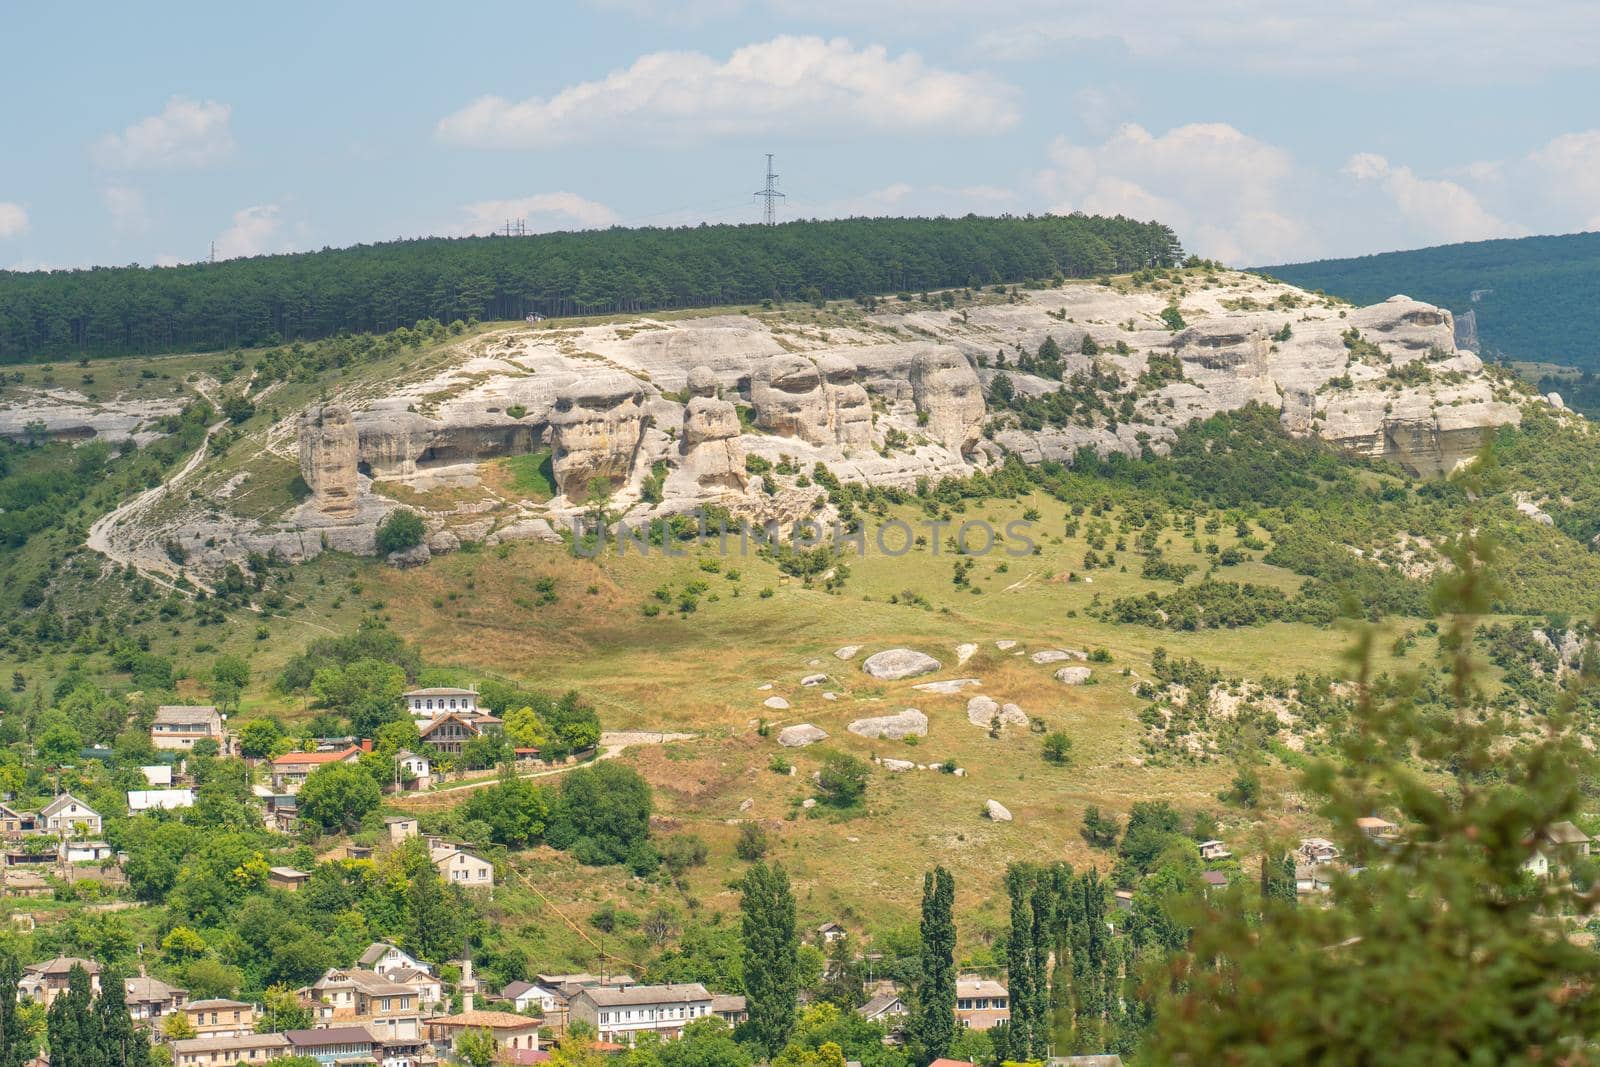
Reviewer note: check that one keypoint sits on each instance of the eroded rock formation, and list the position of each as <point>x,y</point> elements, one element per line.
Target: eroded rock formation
<point>328,451</point>
<point>948,397</point>
<point>595,432</point>
<point>787,393</point>
<point>845,402</point>
<point>711,446</point>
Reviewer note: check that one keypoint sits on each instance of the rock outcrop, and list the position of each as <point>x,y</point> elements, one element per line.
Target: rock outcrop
<point>987,712</point>
<point>845,402</point>
<point>894,664</point>
<point>801,735</point>
<point>329,446</point>
<point>595,432</point>
<point>711,446</point>
<point>897,727</point>
<point>787,393</point>
<point>996,811</point>
<point>948,398</point>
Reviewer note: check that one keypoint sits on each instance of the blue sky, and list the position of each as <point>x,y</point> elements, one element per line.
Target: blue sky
<point>1262,131</point>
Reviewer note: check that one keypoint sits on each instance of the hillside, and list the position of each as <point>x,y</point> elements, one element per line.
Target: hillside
<point>1201,484</point>
<point>376,288</point>
<point>1536,295</point>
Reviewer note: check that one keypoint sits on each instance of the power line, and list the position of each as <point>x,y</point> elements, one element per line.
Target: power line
<point>769,212</point>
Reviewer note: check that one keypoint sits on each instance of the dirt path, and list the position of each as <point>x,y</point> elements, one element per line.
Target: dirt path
<point>612,745</point>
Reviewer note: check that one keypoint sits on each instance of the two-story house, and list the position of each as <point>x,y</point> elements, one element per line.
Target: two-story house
<point>387,1010</point>
<point>220,1017</point>
<point>177,727</point>
<point>150,1000</point>
<point>428,704</point>
<point>511,1032</point>
<point>68,816</point>
<point>462,868</point>
<point>15,823</point>
<point>290,770</point>
<point>43,982</point>
<point>333,1044</point>
<point>621,1014</point>
<point>452,730</point>
<point>981,1003</point>
<point>228,1051</point>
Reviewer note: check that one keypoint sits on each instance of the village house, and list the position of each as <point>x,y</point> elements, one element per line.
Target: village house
<point>528,997</point>
<point>227,1051</point>
<point>1377,829</point>
<point>981,1003</point>
<point>1318,850</point>
<point>462,868</point>
<point>622,1014</point>
<point>730,1008</point>
<point>400,828</point>
<point>67,816</point>
<point>829,932</point>
<point>290,770</point>
<point>1214,850</point>
<point>159,799</point>
<point>157,775</point>
<point>1313,879</point>
<point>85,851</point>
<point>177,727</point>
<point>334,1044</point>
<point>887,1008</point>
<point>14,823</point>
<point>511,1032</point>
<point>387,1009</point>
<point>151,999</point>
<point>427,704</point>
<point>415,771</point>
<point>220,1017</point>
<point>451,731</point>
<point>1567,841</point>
<point>1214,880</point>
<point>43,982</point>
<point>385,959</point>
<point>287,878</point>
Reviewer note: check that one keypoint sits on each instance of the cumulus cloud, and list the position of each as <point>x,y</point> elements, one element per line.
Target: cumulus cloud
<point>1442,209</point>
<point>1569,169</point>
<point>1219,188</point>
<point>187,133</point>
<point>13,219</point>
<point>542,211</point>
<point>255,231</point>
<point>126,206</point>
<point>787,82</point>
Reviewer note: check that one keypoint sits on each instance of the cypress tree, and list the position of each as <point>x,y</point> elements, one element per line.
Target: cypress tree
<point>1042,905</point>
<point>73,1029</point>
<point>16,1044</point>
<point>120,1043</point>
<point>771,956</point>
<point>934,1024</point>
<point>1019,966</point>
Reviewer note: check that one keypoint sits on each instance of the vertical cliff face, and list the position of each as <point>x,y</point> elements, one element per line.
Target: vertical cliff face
<point>845,402</point>
<point>595,432</point>
<point>328,447</point>
<point>949,398</point>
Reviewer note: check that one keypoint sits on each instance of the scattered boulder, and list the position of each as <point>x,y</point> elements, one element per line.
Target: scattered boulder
<point>847,652</point>
<point>946,686</point>
<point>1073,675</point>
<point>996,811</point>
<point>763,687</point>
<point>1056,655</point>
<point>776,703</point>
<point>965,652</point>
<point>983,711</point>
<point>897,663</point>
<point>813,679</point>
<point>415,556</point>
<point>908,723</point>
<point>830,696</point>
<point>801,735</point>
<point>809,802</point>
<point>898,764</point>
<point>442,542</point>
<point>1005,645</point>
<point>747,803</point>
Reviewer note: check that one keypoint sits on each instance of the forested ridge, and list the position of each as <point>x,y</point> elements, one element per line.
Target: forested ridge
<point>1541,308</point>
<point>376,288</point>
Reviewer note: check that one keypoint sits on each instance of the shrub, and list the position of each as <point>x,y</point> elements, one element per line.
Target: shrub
<point>752,843</point>
<point>402,529</point>
<point>1058,748</point>
<point>843,780</point>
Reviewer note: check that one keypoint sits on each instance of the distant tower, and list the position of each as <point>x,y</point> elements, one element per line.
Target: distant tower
<point>770,195</point>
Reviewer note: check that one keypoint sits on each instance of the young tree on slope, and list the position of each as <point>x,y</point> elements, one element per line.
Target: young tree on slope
<point>933,1017</point>
<point>120,1043</point>
<point>771,956</point>
<point>1443,949</point>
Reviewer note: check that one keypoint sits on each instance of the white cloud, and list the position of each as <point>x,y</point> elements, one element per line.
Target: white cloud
<point>1569,169</point>
<point>187,133</point>
<point>13,219</point>
<point>542,211</point>
<point>127,208</point>
<point>1220,189</point>
<point>1443,210</point>
<point>787,82</point>
<point>255,231</point>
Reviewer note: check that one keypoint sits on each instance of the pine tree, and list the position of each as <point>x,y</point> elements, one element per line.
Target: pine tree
<point>771,960</point>
<point>934,1018</point>
<point>121,1045</point>
<point>16,1044</point>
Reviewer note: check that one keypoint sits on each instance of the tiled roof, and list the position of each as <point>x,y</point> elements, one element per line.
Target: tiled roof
<point>492,1020</point>
<point>647,994</point>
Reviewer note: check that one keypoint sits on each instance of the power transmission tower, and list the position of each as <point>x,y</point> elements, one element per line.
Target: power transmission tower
<point>213,257</point>
<point>769,212</point>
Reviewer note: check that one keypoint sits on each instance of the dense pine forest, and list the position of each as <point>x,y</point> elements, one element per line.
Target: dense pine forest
<point>1536,295</point>
<point>376,288</point>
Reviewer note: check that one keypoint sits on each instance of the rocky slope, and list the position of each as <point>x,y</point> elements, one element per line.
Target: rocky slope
<point>909,390</point>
